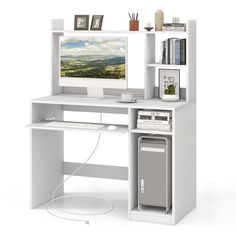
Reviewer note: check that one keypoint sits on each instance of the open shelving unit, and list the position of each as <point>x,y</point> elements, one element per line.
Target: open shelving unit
<point>151,64</point>
<point>48,166</point>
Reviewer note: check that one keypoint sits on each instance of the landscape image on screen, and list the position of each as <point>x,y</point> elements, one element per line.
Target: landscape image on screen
<point>94,57</point>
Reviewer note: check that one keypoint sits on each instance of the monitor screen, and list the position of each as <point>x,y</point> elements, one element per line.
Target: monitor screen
<point>87,59</point>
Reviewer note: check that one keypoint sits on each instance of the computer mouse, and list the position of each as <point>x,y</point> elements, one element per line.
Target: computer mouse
<point>112,127</point>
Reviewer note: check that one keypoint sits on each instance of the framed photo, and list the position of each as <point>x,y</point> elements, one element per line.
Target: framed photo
<point>81,22</point>
<point>96,23</point>
<point>169,82</point>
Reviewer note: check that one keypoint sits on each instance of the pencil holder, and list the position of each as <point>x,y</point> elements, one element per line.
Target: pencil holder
<point>134,25</point>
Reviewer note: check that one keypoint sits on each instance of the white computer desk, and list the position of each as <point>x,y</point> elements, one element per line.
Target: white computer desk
<point>49,168</point>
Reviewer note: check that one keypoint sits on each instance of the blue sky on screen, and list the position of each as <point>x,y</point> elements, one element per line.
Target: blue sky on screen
<point>72,46</point>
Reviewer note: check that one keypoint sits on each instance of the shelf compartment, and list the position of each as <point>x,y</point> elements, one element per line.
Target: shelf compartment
<point>121,129</point>
<point>148,131</point>
<point>134,128</point>
<point>148,214</point>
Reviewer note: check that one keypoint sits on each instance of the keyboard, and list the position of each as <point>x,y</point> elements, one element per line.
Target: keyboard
<point>74,125</point>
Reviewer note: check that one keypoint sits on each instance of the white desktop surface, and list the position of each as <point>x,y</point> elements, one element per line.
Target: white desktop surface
<point>79,100</point>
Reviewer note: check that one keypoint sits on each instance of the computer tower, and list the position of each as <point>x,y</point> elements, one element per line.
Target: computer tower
<point>154,172</point>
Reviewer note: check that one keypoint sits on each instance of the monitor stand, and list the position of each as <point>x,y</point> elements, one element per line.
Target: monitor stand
<point>95,92</point>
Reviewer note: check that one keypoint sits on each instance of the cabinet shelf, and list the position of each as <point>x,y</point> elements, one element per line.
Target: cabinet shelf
<point>165,65</point>
<point>147,131</point>
<point>151,216</point>
<point>153,211</point>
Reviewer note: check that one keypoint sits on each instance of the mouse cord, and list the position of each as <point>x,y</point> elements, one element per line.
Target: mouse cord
<point>54,198</point>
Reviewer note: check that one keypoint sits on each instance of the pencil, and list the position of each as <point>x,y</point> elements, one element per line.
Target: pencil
<point>129,16</point>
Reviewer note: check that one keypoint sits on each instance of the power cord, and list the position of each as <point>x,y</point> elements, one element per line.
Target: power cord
<point>54,199</point>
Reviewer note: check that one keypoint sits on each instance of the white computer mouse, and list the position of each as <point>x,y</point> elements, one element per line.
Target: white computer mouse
<point>112,127</point>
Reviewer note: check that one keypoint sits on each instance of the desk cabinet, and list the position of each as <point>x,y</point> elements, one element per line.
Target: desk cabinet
<point>47,162</point>
<point>49,168</point>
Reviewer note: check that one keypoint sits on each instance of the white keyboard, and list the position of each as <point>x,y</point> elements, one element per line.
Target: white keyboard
<point>74,125</point>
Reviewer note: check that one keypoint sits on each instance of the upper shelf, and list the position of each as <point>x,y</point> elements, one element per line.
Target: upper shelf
<point>165,65</point>
<point>116,32</point>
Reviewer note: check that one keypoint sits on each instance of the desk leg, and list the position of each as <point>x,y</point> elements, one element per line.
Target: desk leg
<point>46,165</point>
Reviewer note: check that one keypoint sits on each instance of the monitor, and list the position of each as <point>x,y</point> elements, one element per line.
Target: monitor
<point>93,62</point>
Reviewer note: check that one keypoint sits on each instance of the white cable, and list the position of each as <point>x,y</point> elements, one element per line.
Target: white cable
<point>54,199</point>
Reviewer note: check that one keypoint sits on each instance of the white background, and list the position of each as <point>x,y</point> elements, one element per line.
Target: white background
<point>25,73</point>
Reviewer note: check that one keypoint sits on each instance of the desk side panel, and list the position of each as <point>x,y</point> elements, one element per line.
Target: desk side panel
<point>46,156</point>
<point>184,161</point>
<point>46,165</point>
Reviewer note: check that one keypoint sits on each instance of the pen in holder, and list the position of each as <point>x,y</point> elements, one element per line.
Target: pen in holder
<point>134,25</point>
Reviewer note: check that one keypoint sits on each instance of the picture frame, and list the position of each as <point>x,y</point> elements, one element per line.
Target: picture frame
<point>81,22</point>
<point>169,82</point>
<point>96,23</point>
